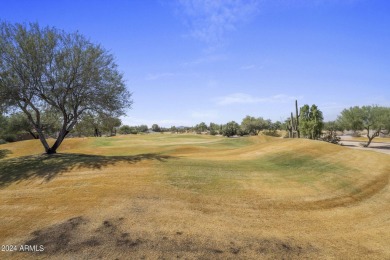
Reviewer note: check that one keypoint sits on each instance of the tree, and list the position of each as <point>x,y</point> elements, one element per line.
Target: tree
<point>202,127</point>
<point>156,128</point>
<point>331,128</point>
<point>174,130</point>
<point>310,122</point>
<point>277,125</point>
<point>230,129</point>
<point>252,126</point>
<point>351,119</point>
<point>110,123</point>
<point>214,128</point>
<point>374,119</point>
<point>272,128</point>
<point>88,125</point>
<point>142,128</point>
<point>45,69</point>
<point>125,130</point>
<point>3,124</point>
<point>18,122</point>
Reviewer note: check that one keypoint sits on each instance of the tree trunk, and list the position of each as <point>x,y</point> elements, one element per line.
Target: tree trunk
<point>370,138</point>
<point>369,141</point>
<point>58,142</point>
<point>43,140</point>
<point>32,134</point>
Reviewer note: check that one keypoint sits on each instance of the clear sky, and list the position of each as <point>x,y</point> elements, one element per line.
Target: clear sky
<point>220,60</point>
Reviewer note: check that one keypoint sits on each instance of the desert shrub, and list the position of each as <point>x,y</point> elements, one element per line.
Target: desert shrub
<point>9,138</point>
<point>272,133</point>
<point>2,141</point>
<point>331,137</point>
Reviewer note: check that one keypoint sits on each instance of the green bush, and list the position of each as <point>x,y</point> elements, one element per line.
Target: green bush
<point>2,141</point>
<point>272,133</point>
<point>9,138</point>
<point>331,137</point>
<point>230,129</point>
<point>213,132</point>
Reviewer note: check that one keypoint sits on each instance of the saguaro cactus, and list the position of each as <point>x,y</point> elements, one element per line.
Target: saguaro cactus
<point>293,124</point>
<point>297,119</point>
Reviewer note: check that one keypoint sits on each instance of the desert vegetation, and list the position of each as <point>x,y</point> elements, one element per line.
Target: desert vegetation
<point>197,196</point>
<point>45,70</point>
<point>254,189</point>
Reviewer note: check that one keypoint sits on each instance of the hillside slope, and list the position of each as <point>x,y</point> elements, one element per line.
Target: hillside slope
<point>193,196</point>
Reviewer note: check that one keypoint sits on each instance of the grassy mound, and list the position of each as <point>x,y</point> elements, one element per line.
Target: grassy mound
<point>195,196</point>
<point>260,167</point>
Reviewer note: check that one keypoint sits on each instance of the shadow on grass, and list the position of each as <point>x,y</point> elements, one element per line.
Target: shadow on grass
<point>372,146</point>
<point>380,147</point>
<point>4,153</point>
<point>49,166</point>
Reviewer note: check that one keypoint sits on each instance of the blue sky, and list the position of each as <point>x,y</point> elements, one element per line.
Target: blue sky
<point>190,61</point>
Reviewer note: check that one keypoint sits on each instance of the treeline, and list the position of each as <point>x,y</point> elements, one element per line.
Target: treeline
<point>249,126</point>
<point>16,126</point>
<point>306,123</point>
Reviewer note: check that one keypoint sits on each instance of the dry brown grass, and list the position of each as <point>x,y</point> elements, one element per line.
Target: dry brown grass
<point>196,197</point>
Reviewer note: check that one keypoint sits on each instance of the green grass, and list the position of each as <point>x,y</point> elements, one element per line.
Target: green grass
<point>223,176</point>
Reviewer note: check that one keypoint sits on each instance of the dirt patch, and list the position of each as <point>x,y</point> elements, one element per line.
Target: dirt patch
<point>283,249</point>
<point>76,238</point>
<point>58,237</point>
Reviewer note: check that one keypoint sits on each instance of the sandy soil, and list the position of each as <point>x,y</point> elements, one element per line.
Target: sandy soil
<point>377,146</point>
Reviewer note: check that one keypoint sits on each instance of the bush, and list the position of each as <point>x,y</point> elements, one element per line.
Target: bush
<point>272,133</point>
<point>125,130</point>
<point>213,132</point>
<point>9,138</point>
<point>242,132</point>
<point>331,137</point>
<point>2,141</point>
<point>230,129</point>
